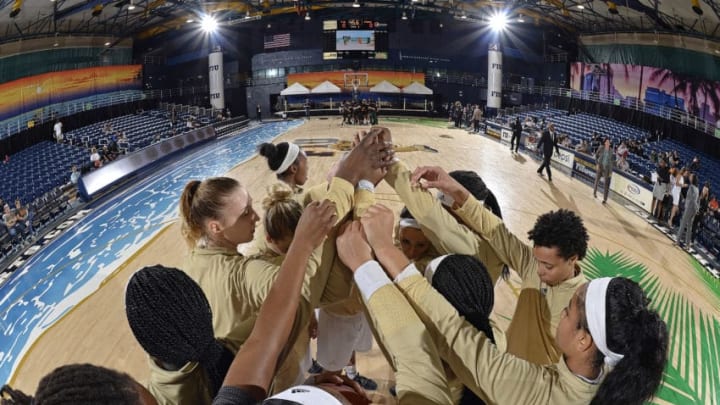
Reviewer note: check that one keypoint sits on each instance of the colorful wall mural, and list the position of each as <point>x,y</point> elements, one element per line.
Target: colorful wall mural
<point>651,86</point>
<point>29,93</point>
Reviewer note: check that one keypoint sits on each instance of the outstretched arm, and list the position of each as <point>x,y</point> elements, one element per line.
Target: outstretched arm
<point>275,319</point>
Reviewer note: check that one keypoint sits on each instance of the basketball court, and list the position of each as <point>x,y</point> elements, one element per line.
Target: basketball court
<point>622,242</point>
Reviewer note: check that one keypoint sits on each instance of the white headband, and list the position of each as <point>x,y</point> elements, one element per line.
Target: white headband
<point>307,395</point>
<point>595,314</point>
<point>292,154</point>
<point>409,223</point>
<point>431,267</point>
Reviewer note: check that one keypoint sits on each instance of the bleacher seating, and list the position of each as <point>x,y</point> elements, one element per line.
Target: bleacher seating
<point>141,130</point>
<point>38,169</point>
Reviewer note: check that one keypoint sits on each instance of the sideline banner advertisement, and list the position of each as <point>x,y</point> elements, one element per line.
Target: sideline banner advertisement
<point>637,193</point>
<point>565,158</point>
<point>505,136</point>
<point>584,167</point>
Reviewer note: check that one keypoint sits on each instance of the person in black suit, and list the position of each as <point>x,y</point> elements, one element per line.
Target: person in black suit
<point>517,132</point>
<point>547,142</point>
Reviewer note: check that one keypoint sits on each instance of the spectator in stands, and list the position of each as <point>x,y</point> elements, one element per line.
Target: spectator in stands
<point>661,178</point>
<point>653,157</point>
<point>95,158</point>
<point>605,163</point>
<point>594,143</point>
<point>57,130</point>
<point>565,141</point>
<point>74,175</point>
<point>582,147</point>
<point>258,111</point>
<point>695,165</point>
<point>622,154</point>
<point>24,216</point>
<point>457,113</point>
<point>9,220</point>
<point>7,159</point>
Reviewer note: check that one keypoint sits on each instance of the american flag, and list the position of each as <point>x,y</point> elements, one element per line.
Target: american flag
<point>276,41</point>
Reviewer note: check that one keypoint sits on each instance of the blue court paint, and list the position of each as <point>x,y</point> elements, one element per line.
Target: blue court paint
<point>72,267</point>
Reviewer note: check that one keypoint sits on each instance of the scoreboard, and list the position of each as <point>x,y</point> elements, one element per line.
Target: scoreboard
<point>355,38</point>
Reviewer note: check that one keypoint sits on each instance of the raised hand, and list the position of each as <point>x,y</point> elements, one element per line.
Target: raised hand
<point>429,177</point>
<point>368,155</point>
<point>378,222</point>
<point>352,247</point>
<point>315,223</point>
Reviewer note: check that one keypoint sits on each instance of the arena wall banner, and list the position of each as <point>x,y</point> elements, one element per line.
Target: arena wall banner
<point>493,130</point>
<point>638,193</point>
<point>584,167</point>
<point>505,135</point>
<point>565,158</point>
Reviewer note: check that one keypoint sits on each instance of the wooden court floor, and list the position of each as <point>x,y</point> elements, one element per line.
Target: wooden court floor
<point>96,331</point>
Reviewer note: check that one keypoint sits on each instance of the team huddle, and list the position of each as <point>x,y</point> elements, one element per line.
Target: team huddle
<point>331,263</point>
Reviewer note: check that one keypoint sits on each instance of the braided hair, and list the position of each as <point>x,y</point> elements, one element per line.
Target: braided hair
<point>473,183</point>
<point>640,335</point>
<point>78,384</point>
<point>464,281</point>
<point>172,320</point>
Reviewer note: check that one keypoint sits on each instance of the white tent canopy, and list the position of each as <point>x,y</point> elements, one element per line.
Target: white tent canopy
<point>295,89</point>
<point>384,87</point>
<point>325,87</point>
<point>416,88</point>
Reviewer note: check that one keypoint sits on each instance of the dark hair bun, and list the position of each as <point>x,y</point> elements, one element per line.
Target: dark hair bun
<point>268,150</point>
<point>275,154</point>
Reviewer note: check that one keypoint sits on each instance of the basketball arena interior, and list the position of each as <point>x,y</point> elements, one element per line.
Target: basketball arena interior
<point>108,108</point>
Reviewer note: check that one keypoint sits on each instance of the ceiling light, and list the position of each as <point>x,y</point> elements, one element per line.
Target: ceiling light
<point>131,6</point>
<point>581,7</point>
<point>356,4</point>
<point>521,19</point>
<point>107,43</point>
<point>247,14</point>
<point>307,16</point>
<point>208,24</point>
<point>404,16</point>
<point>189,20</point>
<point>463,16</point>
<point>498,21</point>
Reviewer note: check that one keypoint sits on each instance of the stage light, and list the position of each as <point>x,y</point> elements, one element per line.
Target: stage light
<point>696,7</point>
<point>208,24</point>
<point>612,8</point>
<point>16,8</point>
<point>356,4</point>
<point>498,21</point>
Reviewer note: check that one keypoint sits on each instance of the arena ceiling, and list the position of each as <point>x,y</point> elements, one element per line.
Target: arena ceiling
<point>145,18</point>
